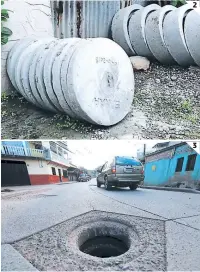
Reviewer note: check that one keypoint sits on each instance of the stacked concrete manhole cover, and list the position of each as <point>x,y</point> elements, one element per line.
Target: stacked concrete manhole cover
<point>98,241</point>
<point>89,79</point>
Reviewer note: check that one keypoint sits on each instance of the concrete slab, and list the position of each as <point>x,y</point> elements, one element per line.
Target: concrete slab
<point>57,73</point>
<point>12,260</point>
<point>193,221</point>
<point>21,71</point>
<point>13,58</point>
<point>48,77</point>
<point>33,74</point>
<point>105,94</point>
<point>39,73</point>
<point>182,247</point>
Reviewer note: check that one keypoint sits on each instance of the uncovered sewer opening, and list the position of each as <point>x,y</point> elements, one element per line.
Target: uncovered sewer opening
<point>104,247</point>
<point>104,240</point>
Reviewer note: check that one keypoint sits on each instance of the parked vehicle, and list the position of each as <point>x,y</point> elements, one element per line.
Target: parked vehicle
<point>121,172</point>
<point>83,177</point>
<point>89,177</point>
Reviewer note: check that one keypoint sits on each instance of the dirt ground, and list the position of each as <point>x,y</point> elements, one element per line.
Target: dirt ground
<point>166,106</point>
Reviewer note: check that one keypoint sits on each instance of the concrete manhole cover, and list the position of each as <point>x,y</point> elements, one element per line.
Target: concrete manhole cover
<point>98,241</point>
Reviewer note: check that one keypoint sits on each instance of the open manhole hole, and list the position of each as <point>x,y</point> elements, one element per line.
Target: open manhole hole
<point>104,247</point>
<point>104,239</point>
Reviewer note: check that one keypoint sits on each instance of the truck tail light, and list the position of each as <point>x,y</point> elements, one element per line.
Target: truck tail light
<point>142,171</point>
<point>113,170</point>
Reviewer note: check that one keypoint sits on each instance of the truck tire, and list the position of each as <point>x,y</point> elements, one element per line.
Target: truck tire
<point>133,187</point>
<point>107,186</point>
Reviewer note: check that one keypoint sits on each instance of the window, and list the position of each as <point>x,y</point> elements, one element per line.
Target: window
<point>191,162</point>
<point>60,151</point>
<point>179,165</point>
<point>53,171</point>
<point>65,174</point>
<point>53,147</point>
<point>127,161</point>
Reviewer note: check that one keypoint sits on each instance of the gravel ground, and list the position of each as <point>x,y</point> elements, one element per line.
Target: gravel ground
<point>166,106</point>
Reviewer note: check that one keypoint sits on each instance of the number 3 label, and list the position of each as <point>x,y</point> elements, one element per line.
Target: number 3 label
<point>195,146</point>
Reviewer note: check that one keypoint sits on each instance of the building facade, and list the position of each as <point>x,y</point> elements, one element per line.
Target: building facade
<point>34,162</point>
<point>176,165</point>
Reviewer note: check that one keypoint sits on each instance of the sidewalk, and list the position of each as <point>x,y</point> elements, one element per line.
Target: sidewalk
<point>14,191</point>
<point>185,190</point>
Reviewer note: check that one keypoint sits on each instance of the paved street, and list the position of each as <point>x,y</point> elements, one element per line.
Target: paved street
<point>45,206</point>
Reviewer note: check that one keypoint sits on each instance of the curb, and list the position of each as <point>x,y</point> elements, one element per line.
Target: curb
<point>193,191</point>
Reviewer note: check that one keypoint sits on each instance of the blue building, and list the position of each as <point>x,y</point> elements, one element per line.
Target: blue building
<point>173,166</point>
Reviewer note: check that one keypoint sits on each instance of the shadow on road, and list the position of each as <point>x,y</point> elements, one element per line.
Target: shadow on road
<point>119,190</point>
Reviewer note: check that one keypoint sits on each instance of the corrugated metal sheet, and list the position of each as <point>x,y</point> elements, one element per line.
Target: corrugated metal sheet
<point>87,18</point>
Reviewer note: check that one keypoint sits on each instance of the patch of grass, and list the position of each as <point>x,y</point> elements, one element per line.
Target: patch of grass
<point>4,97</point>
<point>65,122</point>
<point>186,106</point>
<point>192,118</point>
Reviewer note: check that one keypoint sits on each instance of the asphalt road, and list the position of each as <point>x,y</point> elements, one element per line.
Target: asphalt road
<point>45,206</point>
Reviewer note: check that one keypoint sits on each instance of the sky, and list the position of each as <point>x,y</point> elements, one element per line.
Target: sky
<point>91,154</point>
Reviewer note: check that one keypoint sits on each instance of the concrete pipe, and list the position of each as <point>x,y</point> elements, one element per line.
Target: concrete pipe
<point>154,35</point>
<point>137,31</point>
<point>91,80</point>
<point>119,28</point>
<point>173,30</point>
<point>192,34</point>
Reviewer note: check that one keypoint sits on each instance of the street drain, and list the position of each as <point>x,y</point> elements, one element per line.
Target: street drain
<point>104,247</point>
<point>103,239</point>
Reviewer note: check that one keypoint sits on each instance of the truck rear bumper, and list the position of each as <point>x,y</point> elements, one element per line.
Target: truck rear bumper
<point>122,182</point>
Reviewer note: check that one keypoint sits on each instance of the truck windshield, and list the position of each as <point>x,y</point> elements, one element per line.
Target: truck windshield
<point>127,161</point>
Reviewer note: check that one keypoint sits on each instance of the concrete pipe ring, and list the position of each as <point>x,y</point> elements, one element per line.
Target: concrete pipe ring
<point>56,75</point>
<point>106,243</point>
<point>192,34</point>
<point>32,75</point>
<point>173,26</point>
<point>119,28</point>
<point>13,57</point>
<point>100,82</point>
<point>137,31</point>
<point>154,35</point>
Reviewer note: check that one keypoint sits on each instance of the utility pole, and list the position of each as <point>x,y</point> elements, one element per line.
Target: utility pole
<point>144,152</point>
